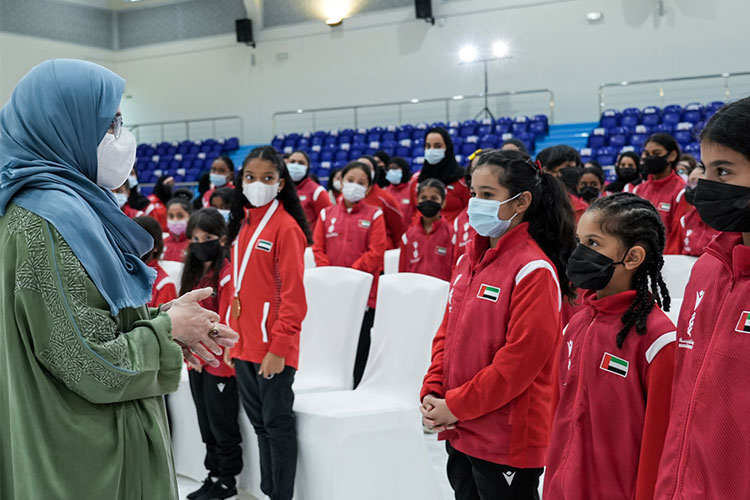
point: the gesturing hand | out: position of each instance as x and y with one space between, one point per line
436 415
196 329
271 365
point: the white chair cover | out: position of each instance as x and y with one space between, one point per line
391 258
676 273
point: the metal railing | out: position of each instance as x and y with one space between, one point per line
193 129
416 110
675 90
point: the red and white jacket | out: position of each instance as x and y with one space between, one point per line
394 220
220 303
579 206
164 289
463 233
613 412
207 195
690 236
158 211
494 358
272 294
457 196
313 197
430 254
352 237
707 450
175 247
662 194
400 193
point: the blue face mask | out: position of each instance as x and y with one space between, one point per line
297 171
218 180
483 217
225 214
434 156
394 176
121 199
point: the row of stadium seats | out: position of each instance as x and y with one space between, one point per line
184 160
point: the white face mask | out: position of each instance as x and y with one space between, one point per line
259 194
121 199
353 192
132 181
225 214
297 171
337 185
115 159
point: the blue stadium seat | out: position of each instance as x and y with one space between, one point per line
598 138
651 116
694 148
672 114
638 140
610 118
606 155
630 117
488 141
667 128
468 130
693 112
341 155
586 155
684 137
520 125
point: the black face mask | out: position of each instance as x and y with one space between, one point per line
429 208
627 174
206 251
690 195
589 193
590 270
654 164
724 207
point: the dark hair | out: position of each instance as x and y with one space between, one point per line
183 193
204 184
307 157
570 176
404 166
153 228
728 127
554 156
226 160
550 215
360 165
687 158
212 222
448 169
598 172
619 184
225 193
593 163
382 156
136 200
634 221
517 143
162 191
377 174
432 183
629 154
331 175
288 195
182 202
667 142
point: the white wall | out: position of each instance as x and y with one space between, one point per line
390 56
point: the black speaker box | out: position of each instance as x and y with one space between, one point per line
244 28
424 10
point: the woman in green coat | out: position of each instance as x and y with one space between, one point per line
84 364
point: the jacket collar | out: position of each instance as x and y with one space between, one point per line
480 253
614 304
730 250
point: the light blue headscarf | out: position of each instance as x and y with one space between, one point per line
49 131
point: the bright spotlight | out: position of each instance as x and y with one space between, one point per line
500 48
468 53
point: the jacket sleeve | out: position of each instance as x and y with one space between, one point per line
394 220
659 376
433 381
225 293
73 335
532 338
290 259
372 260
321 200
402 257
167 293
676 239
319 242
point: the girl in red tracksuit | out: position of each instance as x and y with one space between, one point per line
661 153
176 243
398 175
491 387
270 233
617 358
222 174
463 233
352 234
382 199
312 195
707 448
689 235
214 390
426 247
164 289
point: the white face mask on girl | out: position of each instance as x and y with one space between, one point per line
115 159
353 192
259 194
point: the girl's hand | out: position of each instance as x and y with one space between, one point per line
436 415
271 365
195 366
228 359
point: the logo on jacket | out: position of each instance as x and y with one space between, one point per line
488 292
664 207
689 343
221 386
613 364
441 250
509 475
570 352
364 223
743 325
264 245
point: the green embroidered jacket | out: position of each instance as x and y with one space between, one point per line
81 408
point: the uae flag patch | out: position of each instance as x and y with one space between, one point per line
664 207
613 364
743 326
441 250
264 245
488 292
364 223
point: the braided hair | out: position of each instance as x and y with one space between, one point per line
635 221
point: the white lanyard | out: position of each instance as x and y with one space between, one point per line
249 249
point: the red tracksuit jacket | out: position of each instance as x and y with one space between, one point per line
394 220
457 196
662 194
164 289
158 211
207 195
707 451
313 197
430 254
463 233
352 238
494 358
175 248
272 295
613 412
400 193
579 206
690 236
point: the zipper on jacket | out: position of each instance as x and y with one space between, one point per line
266 308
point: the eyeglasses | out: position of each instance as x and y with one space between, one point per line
116 126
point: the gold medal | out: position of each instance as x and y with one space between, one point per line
236 307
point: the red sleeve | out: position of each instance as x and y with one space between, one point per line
290 258
394 220
372 260
659 376
225 293
531 340
167 293
319 246
322 201
676 240
402 257
433 381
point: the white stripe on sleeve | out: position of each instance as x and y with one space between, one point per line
540 264
658 344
